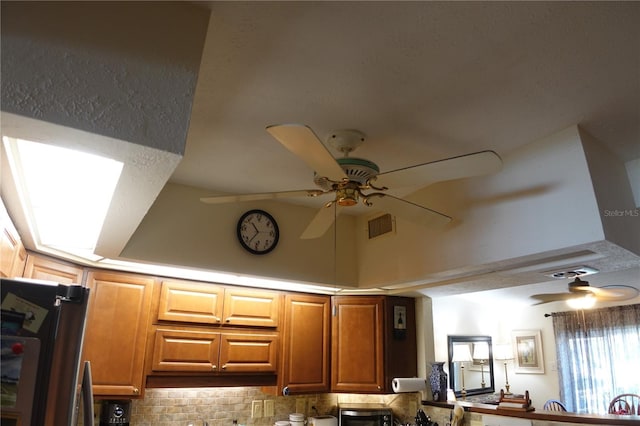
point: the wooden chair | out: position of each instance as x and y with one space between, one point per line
626 403
554 405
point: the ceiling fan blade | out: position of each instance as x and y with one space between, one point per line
476 164
613 292
300 140
220 199
321 222
408 210
553 297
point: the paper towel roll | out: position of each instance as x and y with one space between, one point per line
408 384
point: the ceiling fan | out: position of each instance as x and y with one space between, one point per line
579 288
347 178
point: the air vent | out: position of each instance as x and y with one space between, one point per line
578 271
380 225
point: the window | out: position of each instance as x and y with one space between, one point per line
597 354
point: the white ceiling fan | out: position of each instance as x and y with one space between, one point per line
348 179
579 288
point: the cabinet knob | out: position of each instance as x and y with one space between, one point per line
227 320
136 391
224 366
213 367
379 387
285 391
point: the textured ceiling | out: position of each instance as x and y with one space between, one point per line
423 81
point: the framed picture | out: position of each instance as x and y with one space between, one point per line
399 322
528 352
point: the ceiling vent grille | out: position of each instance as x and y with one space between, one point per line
380 225
575 272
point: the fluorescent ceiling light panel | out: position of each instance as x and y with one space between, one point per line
65 192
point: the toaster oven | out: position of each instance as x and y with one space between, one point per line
365 415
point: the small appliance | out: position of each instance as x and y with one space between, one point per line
323 421
115 413
365 414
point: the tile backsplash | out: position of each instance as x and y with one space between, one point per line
220 406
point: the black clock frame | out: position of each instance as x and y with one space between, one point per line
275 228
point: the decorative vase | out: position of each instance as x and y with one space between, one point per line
438 381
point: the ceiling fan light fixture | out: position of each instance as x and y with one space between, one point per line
347 196
583 302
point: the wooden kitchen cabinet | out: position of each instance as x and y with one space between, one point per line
46 268
371 344
189 350
251 307
12 253
179 349
306 334
184 301
116 331
203 303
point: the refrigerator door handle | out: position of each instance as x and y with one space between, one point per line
87 395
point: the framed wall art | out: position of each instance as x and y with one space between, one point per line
528 352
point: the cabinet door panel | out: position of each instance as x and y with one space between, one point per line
248 353
357 341
306 334
116 330
12 252
43 268
251 307
180 350
190 302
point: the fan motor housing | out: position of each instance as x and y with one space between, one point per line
357 170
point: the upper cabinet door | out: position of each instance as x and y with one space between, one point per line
190 302
44 268
357 340
116 331
306 336
251 307
12 252
248 352
185 350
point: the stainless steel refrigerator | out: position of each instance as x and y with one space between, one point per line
44 382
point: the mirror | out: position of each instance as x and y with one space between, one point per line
471 362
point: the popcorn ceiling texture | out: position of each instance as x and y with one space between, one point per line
220 406
135 84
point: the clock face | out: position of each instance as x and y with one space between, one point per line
258 232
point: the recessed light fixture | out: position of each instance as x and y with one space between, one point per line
64 193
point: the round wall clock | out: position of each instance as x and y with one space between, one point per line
258 232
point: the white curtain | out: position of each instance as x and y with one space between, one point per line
598 352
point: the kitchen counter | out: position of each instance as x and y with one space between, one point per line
546 416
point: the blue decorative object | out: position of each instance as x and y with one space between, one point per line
438 380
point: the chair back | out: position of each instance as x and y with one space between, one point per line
554 405
626 403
